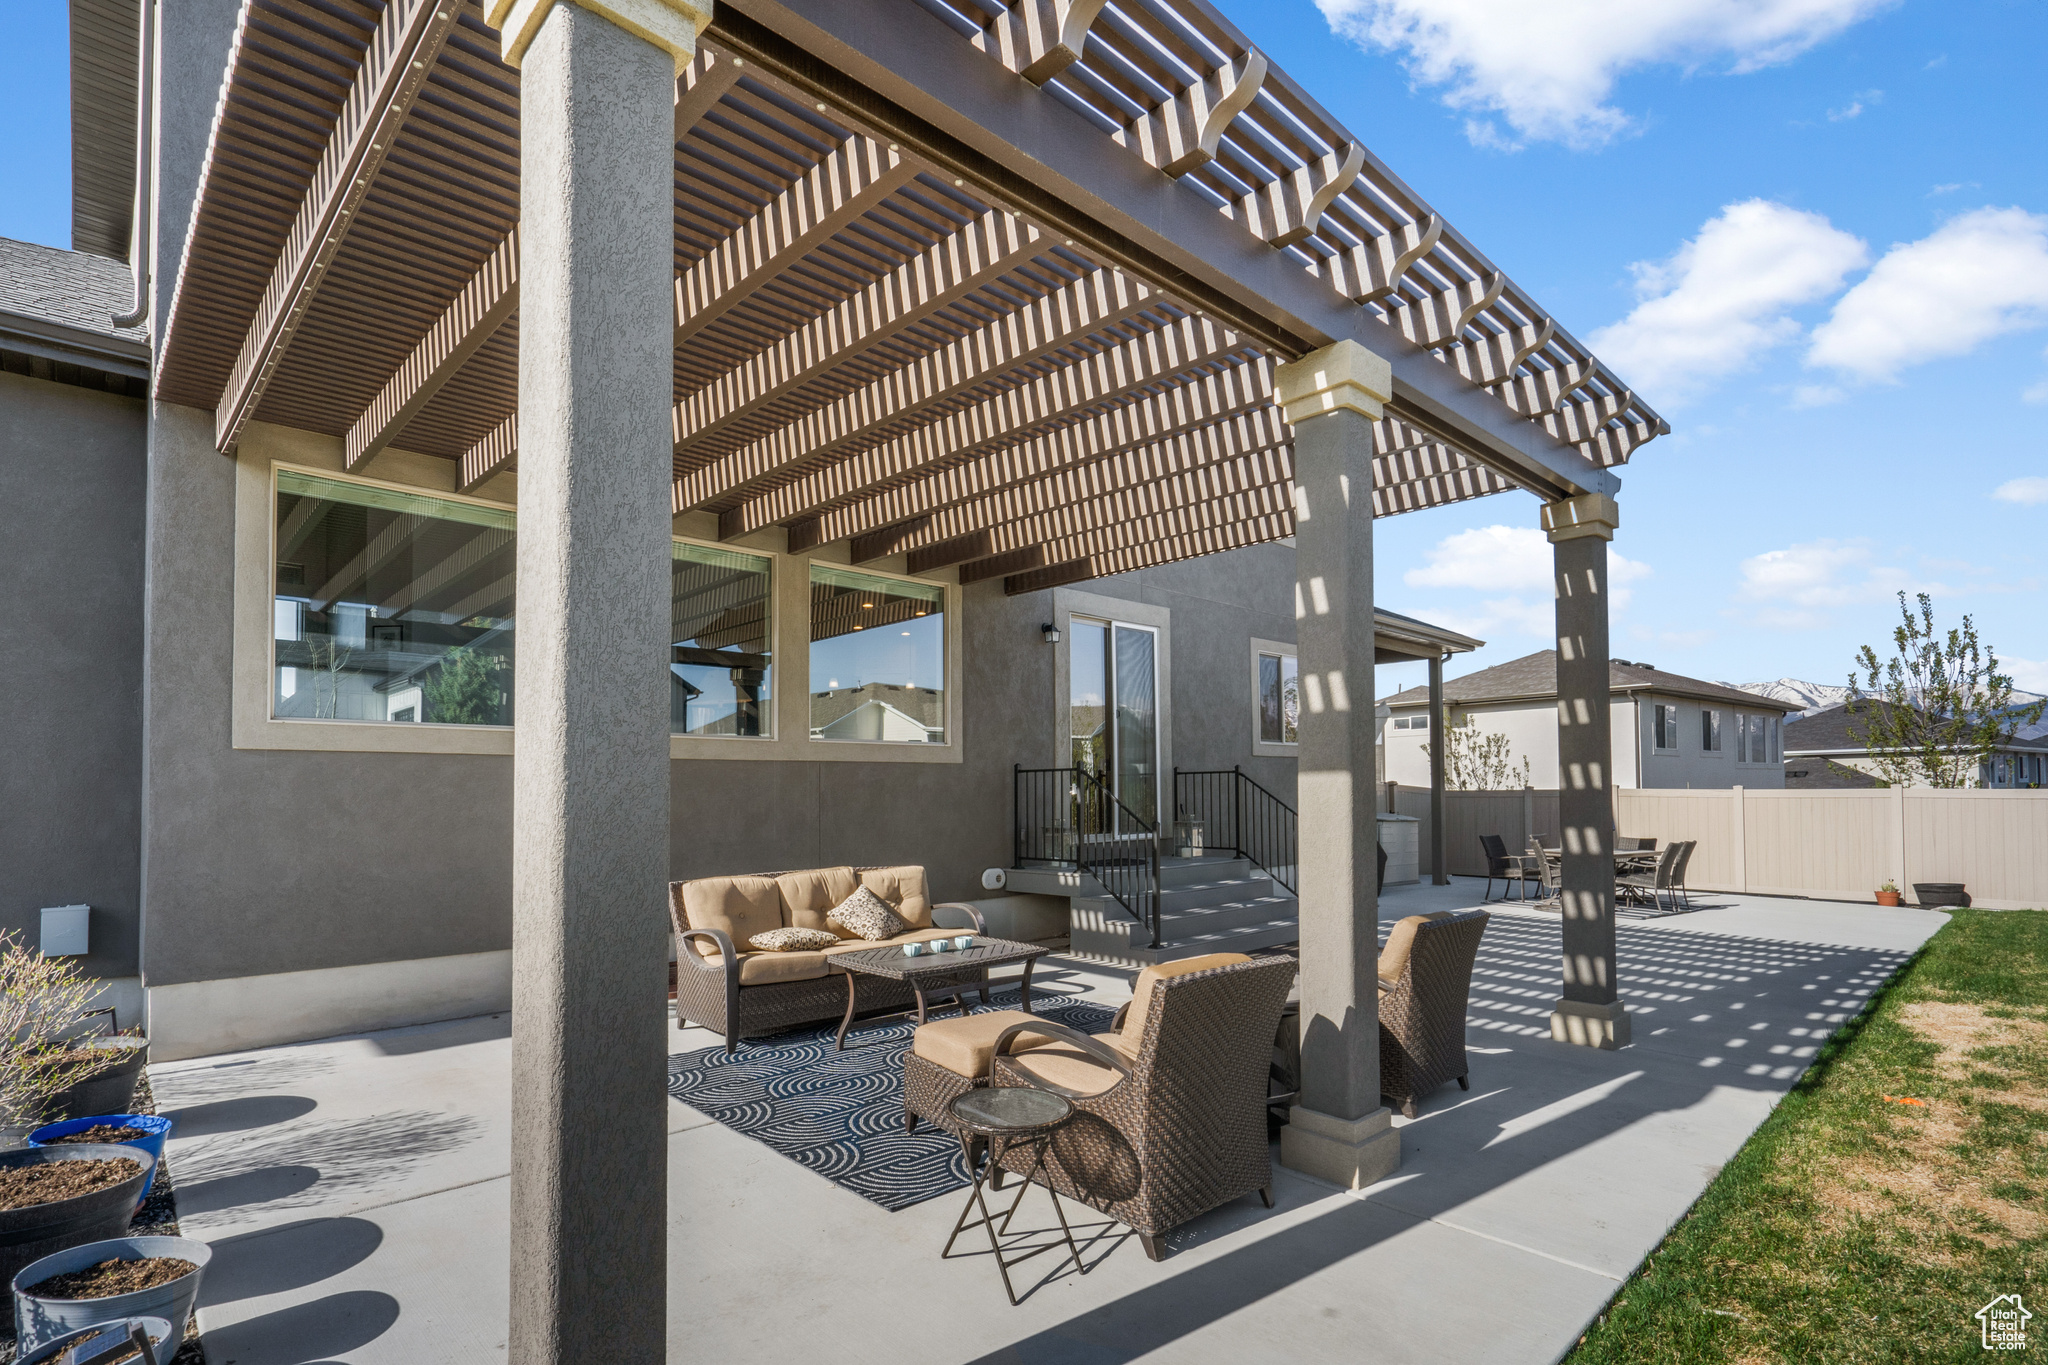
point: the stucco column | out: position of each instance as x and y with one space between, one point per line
1338 1130
590 834
1589 1012
1440 875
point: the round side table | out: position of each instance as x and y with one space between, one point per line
1001 1118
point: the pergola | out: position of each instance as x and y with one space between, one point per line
1043 291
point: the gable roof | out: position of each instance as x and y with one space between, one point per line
61 305
1840 730
1534 677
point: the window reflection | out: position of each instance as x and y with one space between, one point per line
878 658
721 644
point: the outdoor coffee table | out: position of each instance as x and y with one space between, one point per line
999 1118
937 976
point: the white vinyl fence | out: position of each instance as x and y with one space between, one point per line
1828 845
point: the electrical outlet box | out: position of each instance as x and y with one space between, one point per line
66 930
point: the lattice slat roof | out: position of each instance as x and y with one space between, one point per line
869 345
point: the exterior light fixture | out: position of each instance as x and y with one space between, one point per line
1051 633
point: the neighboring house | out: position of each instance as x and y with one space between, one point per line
1669 730
1830 748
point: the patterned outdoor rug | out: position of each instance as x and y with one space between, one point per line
841 1113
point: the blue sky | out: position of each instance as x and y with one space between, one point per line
1813 232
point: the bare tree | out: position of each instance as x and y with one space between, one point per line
1479 762
41 1000
1937 710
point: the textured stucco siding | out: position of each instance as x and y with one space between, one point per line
71 491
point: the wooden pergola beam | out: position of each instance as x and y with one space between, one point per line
1160 357
490 297
976 255
1096 302
850 181
1209 398
495 452
408 40
1255 527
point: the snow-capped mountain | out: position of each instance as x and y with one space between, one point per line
1812 697
1809 697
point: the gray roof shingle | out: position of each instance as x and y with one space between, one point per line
69 288
1535 676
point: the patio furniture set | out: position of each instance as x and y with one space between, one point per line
1643 873
1152 1123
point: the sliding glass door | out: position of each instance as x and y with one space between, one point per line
1113 709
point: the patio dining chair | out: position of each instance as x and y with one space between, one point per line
1678 873
1655 882
1509 867
1549 871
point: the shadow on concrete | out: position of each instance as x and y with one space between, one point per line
309 1333
192 1083
404 1042
283 1258
238 1115
270 1184
355 1158
1711 1012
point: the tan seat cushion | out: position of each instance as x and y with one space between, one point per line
1401 941
965 1046
1065 1065
760 969
808 896
741 906
903 888
1141 990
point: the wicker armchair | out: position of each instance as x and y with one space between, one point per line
1425 984
1170 1109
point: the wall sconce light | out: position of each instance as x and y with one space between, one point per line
1051 633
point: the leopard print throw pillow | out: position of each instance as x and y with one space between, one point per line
866 915
793 940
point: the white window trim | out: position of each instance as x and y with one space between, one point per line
1262 748
1657 708
266 447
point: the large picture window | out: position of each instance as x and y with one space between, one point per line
878 658
390 607
721 644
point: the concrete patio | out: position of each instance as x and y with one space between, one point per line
356 1193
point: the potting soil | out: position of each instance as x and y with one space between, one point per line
47 1182
101 1133
109 1278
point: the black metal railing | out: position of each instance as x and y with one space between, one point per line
1242 818
1068 817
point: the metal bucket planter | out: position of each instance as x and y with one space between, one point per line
110 1090
42 1229
159 1130
37 1319
104 1336
1937 895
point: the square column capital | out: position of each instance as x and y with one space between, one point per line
671 25
1589 514
1341 375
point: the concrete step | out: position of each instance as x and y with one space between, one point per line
1178 872
1219 892
1266 909
1100 929
1243 939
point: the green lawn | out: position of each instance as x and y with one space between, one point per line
1852 1227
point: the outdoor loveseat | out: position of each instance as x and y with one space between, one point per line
745 993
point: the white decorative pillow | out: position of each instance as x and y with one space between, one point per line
793 940
866 915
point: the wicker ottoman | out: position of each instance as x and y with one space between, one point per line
948 1058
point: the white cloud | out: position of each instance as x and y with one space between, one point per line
1549 69
1979 275
1516 560
2028 492
1796 588
2035 393
1720 301
1856 106
2029 675
1817 395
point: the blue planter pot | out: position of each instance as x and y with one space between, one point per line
159 1132
38 1320
107 1333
